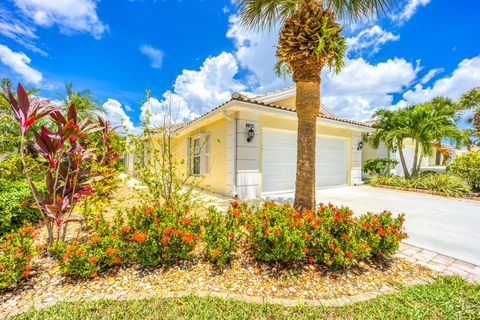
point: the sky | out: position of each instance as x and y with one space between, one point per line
193 54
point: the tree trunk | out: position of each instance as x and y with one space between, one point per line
307 106
415 159
402 159
419 165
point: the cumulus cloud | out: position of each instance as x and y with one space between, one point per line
362 87
211 85
171 109
71 16
118 117
409 10
371 38
155 55
19 62
255 51
463 78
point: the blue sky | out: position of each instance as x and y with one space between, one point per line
194 55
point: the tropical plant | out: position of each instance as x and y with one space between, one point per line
467 166
471 100
66 149
310 38
425 124
83 100
379 166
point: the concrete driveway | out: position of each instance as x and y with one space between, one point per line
447 226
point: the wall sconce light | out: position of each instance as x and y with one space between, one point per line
360 146
250 134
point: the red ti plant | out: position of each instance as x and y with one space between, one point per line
66 149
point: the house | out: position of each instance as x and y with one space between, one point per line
247 146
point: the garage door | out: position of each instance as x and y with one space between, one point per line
279 152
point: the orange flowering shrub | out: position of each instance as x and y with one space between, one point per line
221 233
276 233
102 251
16 254
160 235
382 232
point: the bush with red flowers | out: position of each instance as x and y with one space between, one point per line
104 250
221 233
276 233
161 235
332 237
382 232
16 254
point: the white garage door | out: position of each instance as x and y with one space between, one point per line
279 152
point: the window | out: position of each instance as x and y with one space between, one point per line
199 154
196 156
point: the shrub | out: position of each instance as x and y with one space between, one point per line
161 236
467 166
378 166
11 168
15 206
104 250
276 233
16 254
221 234
333 239
441 183
382 232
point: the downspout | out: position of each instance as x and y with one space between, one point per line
234 160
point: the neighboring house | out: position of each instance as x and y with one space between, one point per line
247 146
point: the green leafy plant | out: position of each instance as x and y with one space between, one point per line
221 234
382 232
444 184
380 166
16 205
467 166
16 254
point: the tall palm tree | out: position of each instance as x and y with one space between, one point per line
471 100
83 101
310 39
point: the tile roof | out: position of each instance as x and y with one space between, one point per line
239 97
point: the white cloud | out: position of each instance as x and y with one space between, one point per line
71 16
431 74
171 109
155 55
118 117
362 87
372 39
409 10
211 85
19 31
19 63
255 51
463 78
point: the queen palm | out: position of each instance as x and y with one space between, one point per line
471 100
83 101
310 39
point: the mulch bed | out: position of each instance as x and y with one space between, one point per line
468 196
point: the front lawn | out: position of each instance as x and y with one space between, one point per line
449 297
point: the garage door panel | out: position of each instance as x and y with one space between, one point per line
279 154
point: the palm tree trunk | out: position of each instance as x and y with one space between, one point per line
415 159
307 106
419 165
402 158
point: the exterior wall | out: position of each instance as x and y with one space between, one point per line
215 180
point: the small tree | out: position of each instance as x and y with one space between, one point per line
169 180
67 151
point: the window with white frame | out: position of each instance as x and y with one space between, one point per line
199 149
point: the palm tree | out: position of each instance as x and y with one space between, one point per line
471 100
83 101
310 39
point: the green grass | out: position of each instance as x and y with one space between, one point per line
447 298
